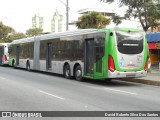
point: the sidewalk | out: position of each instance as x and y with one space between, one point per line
152 78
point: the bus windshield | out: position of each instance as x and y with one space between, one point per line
129 43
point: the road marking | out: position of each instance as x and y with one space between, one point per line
2 78
51 95
132 93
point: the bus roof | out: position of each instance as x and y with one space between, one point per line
4 44
23 40
55 35
67 33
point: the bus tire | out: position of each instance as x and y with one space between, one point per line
28 66
78 73
67 71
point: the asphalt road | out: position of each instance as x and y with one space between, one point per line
21 90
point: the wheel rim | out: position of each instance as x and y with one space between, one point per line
67 72
28 67
78 73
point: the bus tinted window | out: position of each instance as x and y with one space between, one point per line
26 50
78 50
12 52
129 43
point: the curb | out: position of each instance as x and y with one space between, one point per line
143 81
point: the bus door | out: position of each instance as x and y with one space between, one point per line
49 56
17 54
1 56
89 57
99 54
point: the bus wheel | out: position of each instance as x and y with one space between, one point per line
67 72
28 66
78 73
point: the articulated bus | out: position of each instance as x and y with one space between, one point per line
4 55
86 53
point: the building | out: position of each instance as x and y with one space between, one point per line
157 29
37 21
106 12
153 40
50 24
57 22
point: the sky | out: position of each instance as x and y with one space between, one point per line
18 13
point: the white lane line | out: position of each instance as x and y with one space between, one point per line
2 78
51 95
116 90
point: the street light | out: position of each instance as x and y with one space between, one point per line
67 12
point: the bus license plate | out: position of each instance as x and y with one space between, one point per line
130 74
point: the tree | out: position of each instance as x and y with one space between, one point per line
93 20
146 11
4 32
34 31
15 35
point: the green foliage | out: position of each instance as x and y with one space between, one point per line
15 36
116 19
34 31
4 32
93 20
147 11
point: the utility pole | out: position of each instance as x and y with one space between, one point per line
67 12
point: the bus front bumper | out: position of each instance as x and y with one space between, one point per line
118 74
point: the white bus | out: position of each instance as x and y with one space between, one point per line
4 55
91 53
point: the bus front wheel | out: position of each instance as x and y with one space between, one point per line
67 71
78 73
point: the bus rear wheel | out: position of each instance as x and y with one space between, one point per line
78 73
67 71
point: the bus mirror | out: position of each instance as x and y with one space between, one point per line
111 33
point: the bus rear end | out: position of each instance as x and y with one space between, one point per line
129 57
4 53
